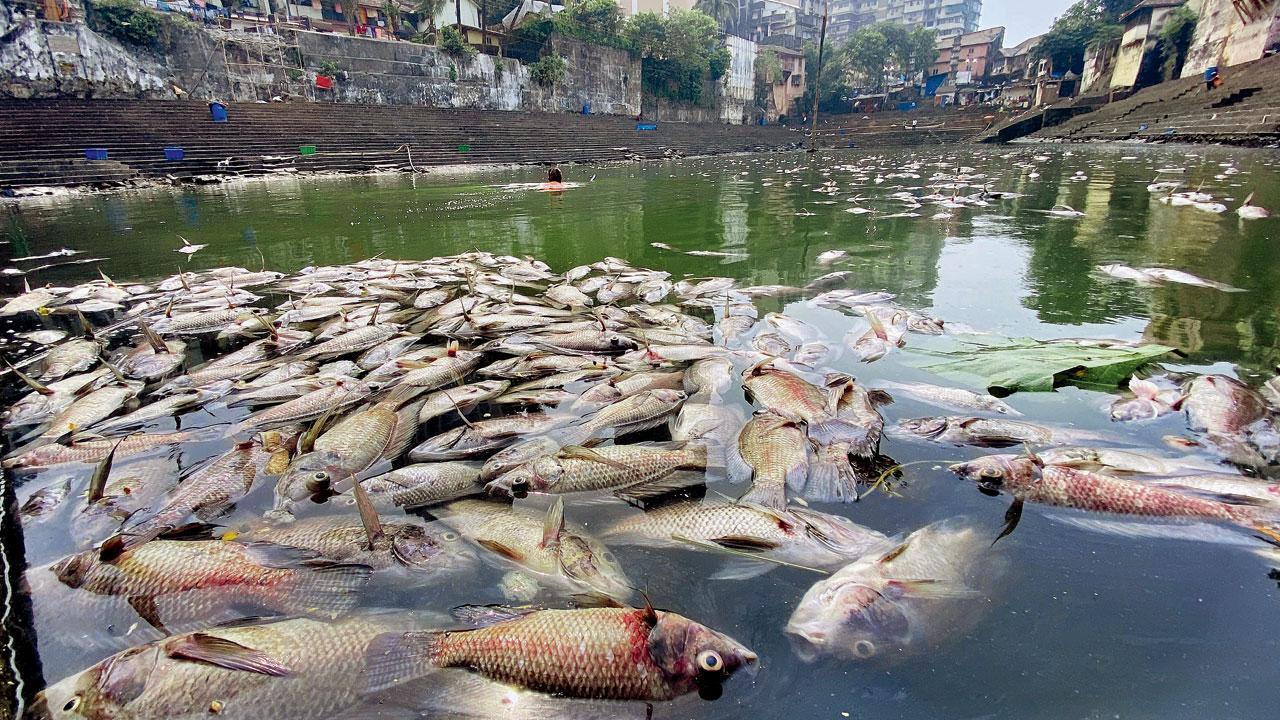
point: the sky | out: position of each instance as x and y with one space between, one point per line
1021 18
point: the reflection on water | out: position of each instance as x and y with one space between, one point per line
1086 625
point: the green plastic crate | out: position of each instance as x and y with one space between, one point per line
464 148
307 150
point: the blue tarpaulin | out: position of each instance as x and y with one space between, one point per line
932 83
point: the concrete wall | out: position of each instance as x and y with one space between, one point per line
43 59
1227 35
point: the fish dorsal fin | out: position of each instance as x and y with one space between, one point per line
182 280
85 326
1248 201
152 338
553 525
168 310
26 286
373 319
650 616
98 481
368 515
107 280
269 323
30 381
223 653
114 370
594 599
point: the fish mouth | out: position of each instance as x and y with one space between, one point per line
39 708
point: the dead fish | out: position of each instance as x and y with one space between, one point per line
483 437
792 535
287 670
43 503
954 398
405 542
772 453
990 432
541 545
904 601
179 582
669 656
575 469
424 484
1221 405
206 494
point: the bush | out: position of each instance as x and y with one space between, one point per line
593 21
329 68
127 21
548 71
499 69
452 43
453 73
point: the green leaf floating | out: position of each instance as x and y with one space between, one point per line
1032 365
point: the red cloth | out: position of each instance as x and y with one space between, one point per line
324 82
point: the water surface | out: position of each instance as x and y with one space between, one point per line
1084 625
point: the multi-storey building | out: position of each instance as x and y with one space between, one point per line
946 17
769 18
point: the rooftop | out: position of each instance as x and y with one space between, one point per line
980 37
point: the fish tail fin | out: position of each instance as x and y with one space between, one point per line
832 478
770 496
396 658
326 589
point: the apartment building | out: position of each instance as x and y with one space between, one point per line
946 17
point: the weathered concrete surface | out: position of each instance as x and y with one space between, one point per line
1229 33
45 59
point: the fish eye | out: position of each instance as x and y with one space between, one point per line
864 649
989 472
450 536
71 704
710 661
321 476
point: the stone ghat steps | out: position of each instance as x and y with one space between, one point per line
1244 109
39 138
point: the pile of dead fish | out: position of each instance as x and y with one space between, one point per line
402 424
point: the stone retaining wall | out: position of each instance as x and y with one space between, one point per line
41 59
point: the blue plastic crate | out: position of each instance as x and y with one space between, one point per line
173 154
646 126
95 153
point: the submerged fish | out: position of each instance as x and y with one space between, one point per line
174 583
541 545
904 601
289 670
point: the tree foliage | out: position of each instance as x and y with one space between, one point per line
678 52
548 71
593 21
724 12
1086 23
768 70
428 10
127 21
1175 40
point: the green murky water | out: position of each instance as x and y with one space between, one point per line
1085 625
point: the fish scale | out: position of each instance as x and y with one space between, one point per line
606 468
777 452
1084 490
602 654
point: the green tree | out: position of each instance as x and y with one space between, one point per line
1086 23
1175 40
591 20
867 55
724 12
678 53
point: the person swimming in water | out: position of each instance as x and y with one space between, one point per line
554 175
